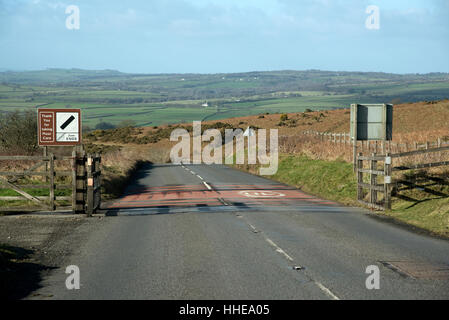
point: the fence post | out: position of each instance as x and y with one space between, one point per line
354 155
52 182
387 181
373 180
74 172
90 185
46 163
98 180
79 180
359 177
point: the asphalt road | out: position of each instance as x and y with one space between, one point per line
211 232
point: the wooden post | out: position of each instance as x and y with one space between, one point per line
52 182
74 177
90 185
373 182
387 182
46 163
83 181
80 180
97 185
354 155
359 177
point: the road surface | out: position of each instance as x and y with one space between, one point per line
212 232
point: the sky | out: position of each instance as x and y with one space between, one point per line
224 36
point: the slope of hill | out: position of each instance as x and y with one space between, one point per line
411 121
154 99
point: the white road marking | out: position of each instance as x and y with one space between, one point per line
279 249
261 194
326 291
207 185
254 228
200 177
223 202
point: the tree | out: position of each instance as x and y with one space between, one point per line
18 132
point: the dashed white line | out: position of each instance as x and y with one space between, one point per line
278 249
254 228
320 285
200 177
326 291
207 185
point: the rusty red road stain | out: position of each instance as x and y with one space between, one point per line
199 195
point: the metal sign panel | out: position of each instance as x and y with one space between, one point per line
59 127
372 121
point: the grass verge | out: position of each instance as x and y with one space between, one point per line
335 180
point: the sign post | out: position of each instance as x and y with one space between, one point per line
59 127
62 127
371 122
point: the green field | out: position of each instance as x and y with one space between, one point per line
150 100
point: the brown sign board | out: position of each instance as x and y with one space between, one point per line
59 127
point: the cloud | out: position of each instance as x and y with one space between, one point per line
208 34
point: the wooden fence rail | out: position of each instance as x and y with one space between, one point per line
85 198
376 146
373 186
386 187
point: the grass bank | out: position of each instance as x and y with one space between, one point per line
426 208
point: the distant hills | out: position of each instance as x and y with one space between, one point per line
153 99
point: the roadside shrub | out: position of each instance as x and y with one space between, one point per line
104 126
18 132
126 123
284 117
